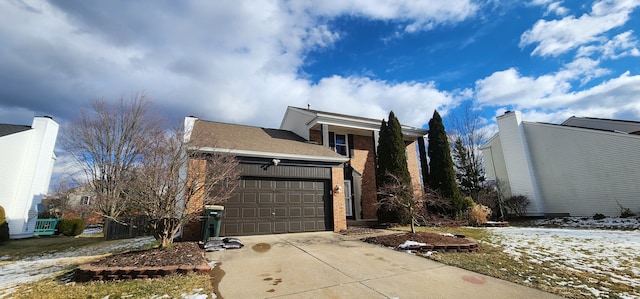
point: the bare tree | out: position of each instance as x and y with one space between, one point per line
58 201
171 199
106 142
468 135
392 195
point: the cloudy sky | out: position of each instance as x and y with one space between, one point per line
246 61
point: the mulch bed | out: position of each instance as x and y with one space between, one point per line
434 242
182 257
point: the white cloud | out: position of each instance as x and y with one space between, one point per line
621 45
617 97
412 102
232 61
556 37
508 87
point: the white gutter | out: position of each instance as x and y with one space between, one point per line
256 154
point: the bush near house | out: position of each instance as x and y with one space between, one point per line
478 214
517 205
4 226
71 226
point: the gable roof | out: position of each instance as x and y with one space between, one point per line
315 117
7 129
249 141
614 125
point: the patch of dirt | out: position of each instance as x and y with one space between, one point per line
180 254
394 240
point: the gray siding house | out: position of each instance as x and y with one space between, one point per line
578 168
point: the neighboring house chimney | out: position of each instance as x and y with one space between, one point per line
517 159
32 165
189 122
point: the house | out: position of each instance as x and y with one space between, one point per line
357 139
312 174
26 164
578 168
77 202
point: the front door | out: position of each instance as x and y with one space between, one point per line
348 199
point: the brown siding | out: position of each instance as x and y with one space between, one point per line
414 168
364 161
339 214
315 136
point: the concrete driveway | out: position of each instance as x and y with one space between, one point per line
329 265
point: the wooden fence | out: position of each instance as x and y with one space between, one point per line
129 228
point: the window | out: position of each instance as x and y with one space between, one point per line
341 144
85 200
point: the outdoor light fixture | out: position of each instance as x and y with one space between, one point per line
275 162
337 188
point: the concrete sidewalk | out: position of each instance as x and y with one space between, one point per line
328 265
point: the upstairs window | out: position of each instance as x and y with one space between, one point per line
85 200
341 144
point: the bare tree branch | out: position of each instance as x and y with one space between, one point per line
106 142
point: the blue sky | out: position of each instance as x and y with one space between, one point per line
246 61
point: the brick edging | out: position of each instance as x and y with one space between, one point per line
87 272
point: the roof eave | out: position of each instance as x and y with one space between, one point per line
256 154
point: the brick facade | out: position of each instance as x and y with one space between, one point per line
315 136
339 213
414 167
364 162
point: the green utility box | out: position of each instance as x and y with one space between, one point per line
212 221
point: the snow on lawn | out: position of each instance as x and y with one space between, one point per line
38 267
611 256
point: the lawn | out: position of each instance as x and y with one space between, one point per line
41 267
568 262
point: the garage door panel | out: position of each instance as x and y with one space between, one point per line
295 212
277 206
280 227
249 213
309 212
249 197
265 198
308 185
265 228
295 198
233 213
264 213
248 228
308 198
279 212
280 198
295 185
295 226
231 228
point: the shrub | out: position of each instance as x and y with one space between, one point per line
517 205
4 226
478 214
71 226
598 216
626 213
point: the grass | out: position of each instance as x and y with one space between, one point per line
174 286
21 248
546 276
58 287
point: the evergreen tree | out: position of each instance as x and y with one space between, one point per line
392 159
442 176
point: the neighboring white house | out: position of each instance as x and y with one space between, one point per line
578 168
26 163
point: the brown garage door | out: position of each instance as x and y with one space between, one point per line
268 206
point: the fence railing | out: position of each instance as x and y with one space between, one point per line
46 226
